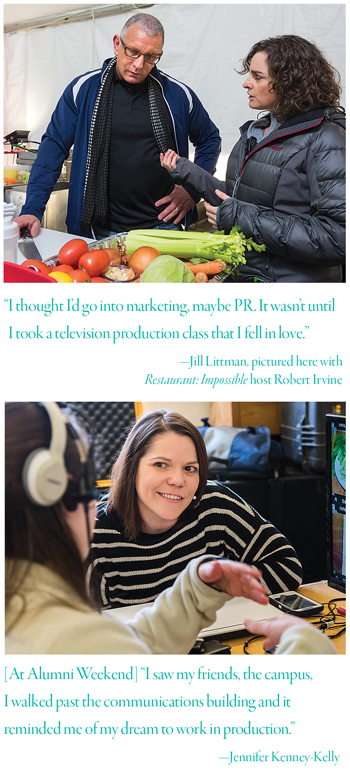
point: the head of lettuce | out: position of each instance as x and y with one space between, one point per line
166 268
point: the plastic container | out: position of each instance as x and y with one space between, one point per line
120 274
9 209
10 174
14 273
10 240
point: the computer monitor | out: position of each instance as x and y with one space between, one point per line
336 500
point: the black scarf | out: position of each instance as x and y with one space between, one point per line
95 203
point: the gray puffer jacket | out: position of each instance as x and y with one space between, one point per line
288 192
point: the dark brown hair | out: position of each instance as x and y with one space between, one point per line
302 79
123 496
34 533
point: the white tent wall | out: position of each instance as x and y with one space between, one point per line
203 46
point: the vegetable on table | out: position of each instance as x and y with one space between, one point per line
141 258
94 262
212 267
115 255
71 252
201 277
63 269
79 275
166 268
197 247
61 277
36 265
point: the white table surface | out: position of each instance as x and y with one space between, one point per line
49 243
229 618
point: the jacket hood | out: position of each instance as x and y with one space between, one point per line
330 114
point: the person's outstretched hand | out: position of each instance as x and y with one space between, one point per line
273 628
234 578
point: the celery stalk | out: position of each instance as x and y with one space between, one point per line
196 247
182 244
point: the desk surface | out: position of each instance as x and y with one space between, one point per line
316 591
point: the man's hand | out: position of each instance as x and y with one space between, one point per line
32 222
168 160
211 211
273 628
234 578
179 202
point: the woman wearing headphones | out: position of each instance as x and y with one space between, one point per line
48 519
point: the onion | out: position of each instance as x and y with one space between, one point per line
114 255
141 258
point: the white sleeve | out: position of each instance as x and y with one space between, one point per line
179 613
303 640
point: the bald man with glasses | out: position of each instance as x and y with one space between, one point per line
119 119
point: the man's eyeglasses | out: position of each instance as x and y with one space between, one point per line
132 54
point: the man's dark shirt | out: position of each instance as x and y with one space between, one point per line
136 179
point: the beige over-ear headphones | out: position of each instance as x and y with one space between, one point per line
44 474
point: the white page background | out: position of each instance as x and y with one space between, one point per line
99 370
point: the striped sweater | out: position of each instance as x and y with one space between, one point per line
122 572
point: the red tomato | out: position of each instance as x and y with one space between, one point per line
37 266
79 275
70 253
64 268
96 279
94 262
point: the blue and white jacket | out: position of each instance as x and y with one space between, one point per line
70 124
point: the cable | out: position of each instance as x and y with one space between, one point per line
323 623
329 620
86 507
246 643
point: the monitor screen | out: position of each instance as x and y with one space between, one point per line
336 500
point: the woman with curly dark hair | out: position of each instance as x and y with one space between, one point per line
300 77
285 179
